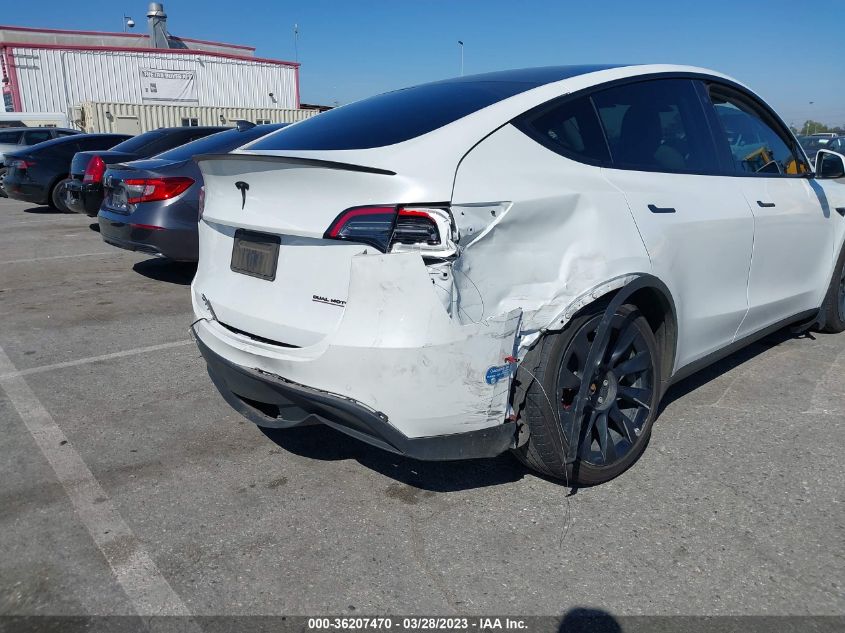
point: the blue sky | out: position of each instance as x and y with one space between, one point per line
789 51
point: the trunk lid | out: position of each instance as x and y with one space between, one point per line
293 200
81 159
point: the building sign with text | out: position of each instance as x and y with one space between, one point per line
168 86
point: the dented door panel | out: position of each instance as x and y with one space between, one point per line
555 229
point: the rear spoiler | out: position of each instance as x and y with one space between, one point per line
313 162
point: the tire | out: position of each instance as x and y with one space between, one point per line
3 193
548 399
56 199
832 313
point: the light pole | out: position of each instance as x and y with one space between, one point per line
296 42
811 118
461 44
128 22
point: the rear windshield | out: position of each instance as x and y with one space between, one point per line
138 143
397 116
221 142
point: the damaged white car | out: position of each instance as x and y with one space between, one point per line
522 260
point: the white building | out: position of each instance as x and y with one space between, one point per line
147 76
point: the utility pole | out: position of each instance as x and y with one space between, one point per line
461 44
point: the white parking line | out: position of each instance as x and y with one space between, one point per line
41 259
135 571
94 359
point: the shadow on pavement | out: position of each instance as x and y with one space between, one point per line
94 227
581 620
180 273
45 210
324 443
725 365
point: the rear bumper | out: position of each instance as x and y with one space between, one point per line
118 230
25 192
271 401
395 350
83 197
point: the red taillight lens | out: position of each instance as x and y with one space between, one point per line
22 164
152 189
201 203
370 225
95 170
415 228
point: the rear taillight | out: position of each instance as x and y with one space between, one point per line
21 163
153 189
95 170
394 228
201 203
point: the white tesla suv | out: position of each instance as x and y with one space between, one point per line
522 260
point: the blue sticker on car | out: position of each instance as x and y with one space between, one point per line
495 374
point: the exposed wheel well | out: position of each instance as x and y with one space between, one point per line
656 305
658 309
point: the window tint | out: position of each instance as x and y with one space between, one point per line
756 147
657 125
139 143
36 136
157 141
218 143
570 128
10 138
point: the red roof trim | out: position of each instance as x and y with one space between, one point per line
164 51
29 29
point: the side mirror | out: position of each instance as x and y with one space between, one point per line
830 165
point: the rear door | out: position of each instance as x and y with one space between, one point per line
694 222
793 236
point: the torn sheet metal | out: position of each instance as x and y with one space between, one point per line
397 350
555 235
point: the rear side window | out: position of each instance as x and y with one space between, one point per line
9 138
757 144
570 128
657 125
36 136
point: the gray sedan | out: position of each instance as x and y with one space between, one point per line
152 205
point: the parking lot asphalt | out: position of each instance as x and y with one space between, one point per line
163 498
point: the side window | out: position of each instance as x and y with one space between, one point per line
36 136
570 128
62 134
757 145
9 138
657 125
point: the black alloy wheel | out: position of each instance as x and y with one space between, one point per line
584 427
618 397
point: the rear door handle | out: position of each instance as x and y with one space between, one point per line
656 209
765 205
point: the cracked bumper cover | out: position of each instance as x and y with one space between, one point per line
397 372
249 391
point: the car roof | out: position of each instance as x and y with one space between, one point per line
70 139
25 128
536 76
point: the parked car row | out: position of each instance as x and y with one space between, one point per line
146 189
813 143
